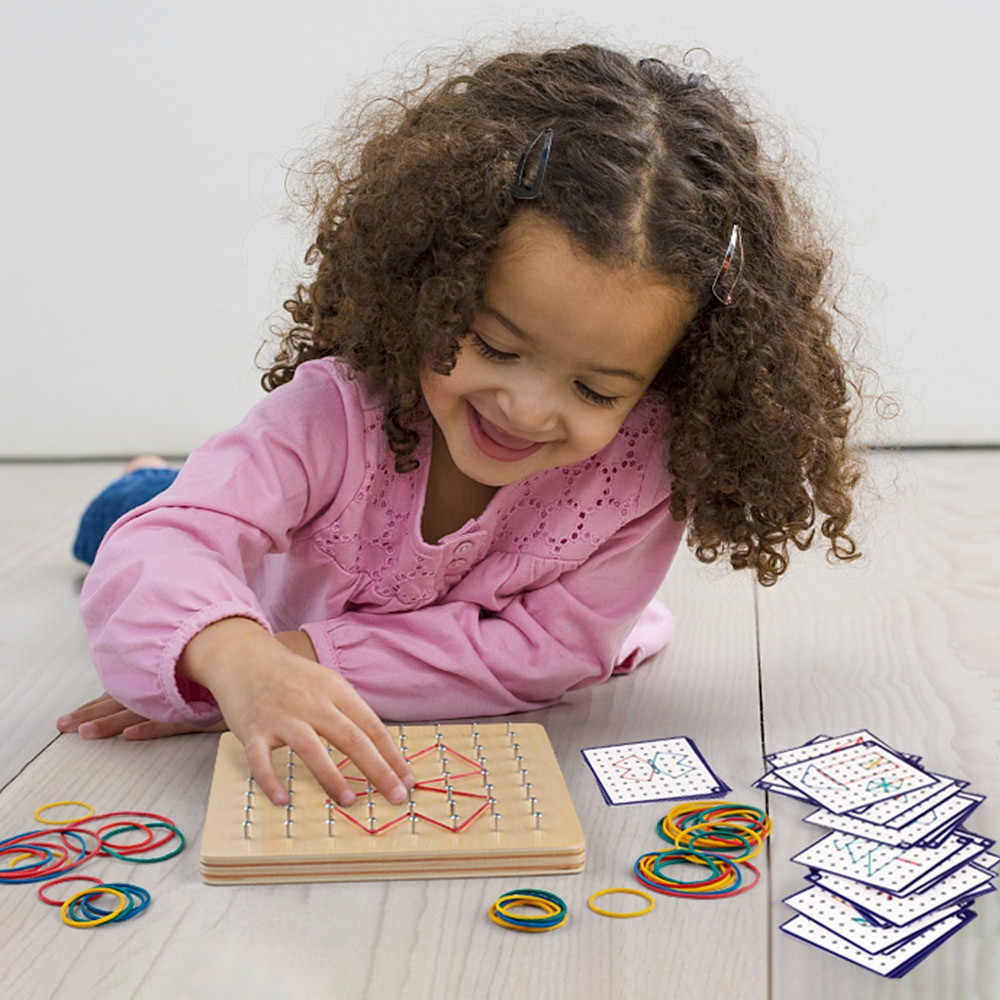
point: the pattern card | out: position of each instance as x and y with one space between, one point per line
958 887
653 771
845 921
893 869
822 745
854 777
892 964
772 783
899 874
903 809
926 830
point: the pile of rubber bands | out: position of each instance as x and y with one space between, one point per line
46 856
721 836
507 911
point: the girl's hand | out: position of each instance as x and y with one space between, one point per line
273 693
104 717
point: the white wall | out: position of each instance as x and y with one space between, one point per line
141 178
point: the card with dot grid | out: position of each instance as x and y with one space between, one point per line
653 771
854 776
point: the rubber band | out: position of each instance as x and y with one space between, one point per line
611 913
138 901
726 879
64 878
554 911
710 843
44 854
64 802
123 815
53 858
724 873
723 821
59 865
142 845
721 836
126 856
57 858
85 910
67 907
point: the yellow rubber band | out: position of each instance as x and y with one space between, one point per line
709 843
631 892
67 919
20 857
497 919
64 822
506 902
552 908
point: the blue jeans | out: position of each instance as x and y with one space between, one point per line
123 495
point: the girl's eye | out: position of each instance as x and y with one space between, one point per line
595 397
495 354
489 351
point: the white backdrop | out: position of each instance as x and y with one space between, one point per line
143 257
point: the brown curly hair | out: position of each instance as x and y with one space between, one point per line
650 167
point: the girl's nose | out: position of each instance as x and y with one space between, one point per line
530 408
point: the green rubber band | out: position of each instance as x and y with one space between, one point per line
149 861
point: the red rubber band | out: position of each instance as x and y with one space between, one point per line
65 878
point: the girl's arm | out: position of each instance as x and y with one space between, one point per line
176 628
104 716
271 696
272 693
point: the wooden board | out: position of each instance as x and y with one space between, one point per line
489 800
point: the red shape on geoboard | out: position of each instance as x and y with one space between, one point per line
428 785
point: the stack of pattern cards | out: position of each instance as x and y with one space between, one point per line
898 872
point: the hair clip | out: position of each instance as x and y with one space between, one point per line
533 164
725 282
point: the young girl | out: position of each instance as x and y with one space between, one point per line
564 308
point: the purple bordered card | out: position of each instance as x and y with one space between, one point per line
653 771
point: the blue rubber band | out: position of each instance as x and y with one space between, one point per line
134 892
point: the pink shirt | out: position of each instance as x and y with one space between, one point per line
297 519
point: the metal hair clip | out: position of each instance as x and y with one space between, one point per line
531 169
728 275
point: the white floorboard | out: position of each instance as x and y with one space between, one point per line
904 644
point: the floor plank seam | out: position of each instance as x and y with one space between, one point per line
31 760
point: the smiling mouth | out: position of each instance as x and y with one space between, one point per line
496 443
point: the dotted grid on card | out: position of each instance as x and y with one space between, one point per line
489 800
653 770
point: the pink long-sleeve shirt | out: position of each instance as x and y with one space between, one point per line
297 519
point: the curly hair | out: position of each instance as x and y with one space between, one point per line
650 167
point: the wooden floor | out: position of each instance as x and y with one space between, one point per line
905 643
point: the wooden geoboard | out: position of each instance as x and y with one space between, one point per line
489 800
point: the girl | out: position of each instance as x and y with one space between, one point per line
563 307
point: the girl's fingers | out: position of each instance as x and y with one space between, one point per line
314 755
99 703
262 768
311 748
323 765
372 746
96 708
109 725
149 730
353 742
